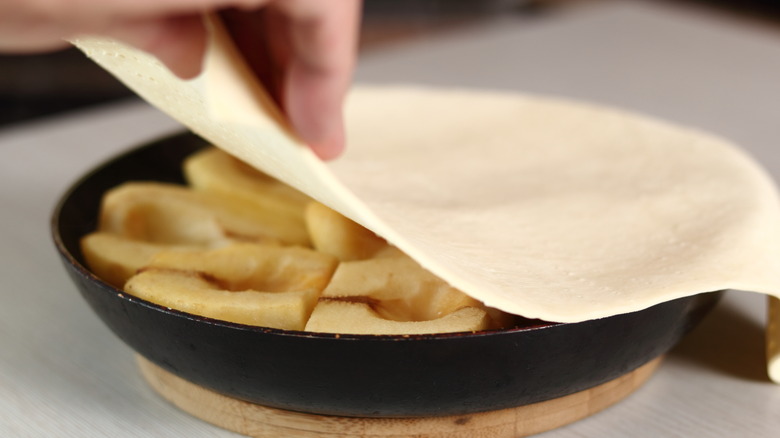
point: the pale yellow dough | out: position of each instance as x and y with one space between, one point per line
546 208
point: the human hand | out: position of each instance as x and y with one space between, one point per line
303 51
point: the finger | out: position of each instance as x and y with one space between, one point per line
41 25
314 106
323 40
84 11
178 42
260 37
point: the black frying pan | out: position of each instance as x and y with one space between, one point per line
358 375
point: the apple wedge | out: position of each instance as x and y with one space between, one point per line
115 259
173 214
214 170
401 288
196 293
355 317
335 234
259 285
241 266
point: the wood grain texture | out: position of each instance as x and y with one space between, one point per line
773 339
263 422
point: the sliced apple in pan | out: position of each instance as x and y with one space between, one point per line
393 295
173 214
269 268
214 170
335 234
114 258
260 285
402 289
199 294
355 317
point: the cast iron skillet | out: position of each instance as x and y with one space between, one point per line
357 375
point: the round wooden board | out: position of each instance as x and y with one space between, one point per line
263 422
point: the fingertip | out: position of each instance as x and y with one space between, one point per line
185 65
321 127
329 149
324 133
314 106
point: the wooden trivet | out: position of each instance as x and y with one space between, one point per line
263 422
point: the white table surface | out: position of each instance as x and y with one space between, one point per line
63 374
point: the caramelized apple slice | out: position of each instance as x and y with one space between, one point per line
114 258
172 214
268 268
335 234
402 289
199 294
214 170
261 285
355 317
